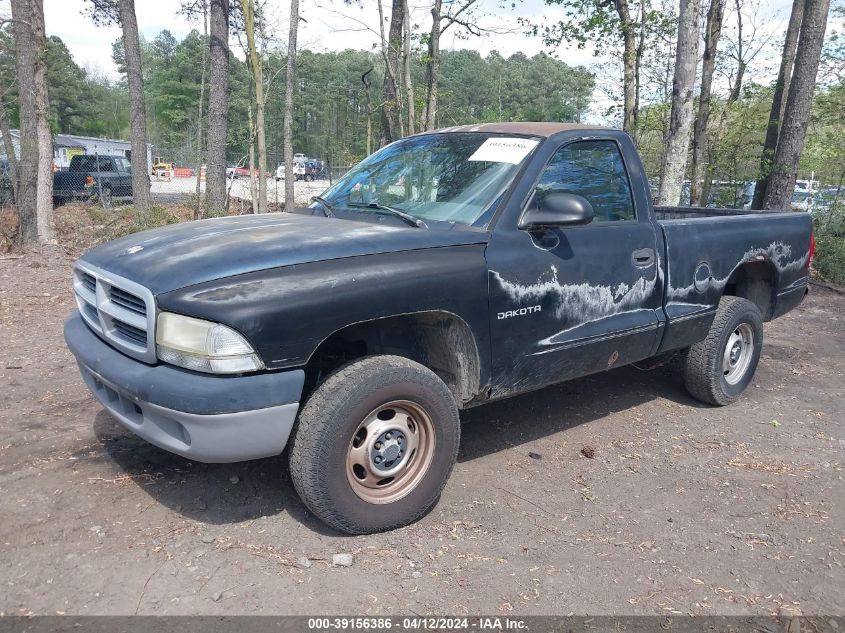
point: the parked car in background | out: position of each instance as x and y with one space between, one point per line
280 172
315 169
802 200
90 177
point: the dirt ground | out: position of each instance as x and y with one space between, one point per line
682 509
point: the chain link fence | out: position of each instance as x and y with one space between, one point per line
177 190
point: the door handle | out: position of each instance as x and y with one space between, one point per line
643 257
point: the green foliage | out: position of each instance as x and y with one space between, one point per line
80 102
519 88
738 130
66 86
829 262
331 103
330 118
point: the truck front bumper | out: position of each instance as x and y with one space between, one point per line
203 417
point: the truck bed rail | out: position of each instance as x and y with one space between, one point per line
682 213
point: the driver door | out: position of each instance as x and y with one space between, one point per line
574 300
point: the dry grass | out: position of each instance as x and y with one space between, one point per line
81 226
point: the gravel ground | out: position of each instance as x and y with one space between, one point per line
682 508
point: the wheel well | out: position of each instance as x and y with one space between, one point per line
754 281
441 341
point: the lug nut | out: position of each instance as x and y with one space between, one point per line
399 439
387 435
378 459
378 445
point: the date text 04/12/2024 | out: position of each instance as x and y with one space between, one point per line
416 623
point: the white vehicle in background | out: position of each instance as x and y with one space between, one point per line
298 171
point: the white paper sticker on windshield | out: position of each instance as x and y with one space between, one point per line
504 150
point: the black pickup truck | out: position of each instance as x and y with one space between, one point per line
446 270
95 178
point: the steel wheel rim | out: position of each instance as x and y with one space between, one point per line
390 452
739 350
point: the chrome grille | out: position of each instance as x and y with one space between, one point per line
120 311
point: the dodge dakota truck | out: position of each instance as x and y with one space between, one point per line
446 270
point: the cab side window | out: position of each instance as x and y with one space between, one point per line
594 170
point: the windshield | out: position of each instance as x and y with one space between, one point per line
452 177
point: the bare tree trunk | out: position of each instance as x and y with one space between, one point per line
289 87
365 79
796 114
9 147
253 193
790 45
258 80
390 111
406 65
44 186
733 97
198 209
26 52
680 122
701 130
629 63
218 107
639 62
137 111
432 68
200 108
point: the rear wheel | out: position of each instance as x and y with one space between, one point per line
375 444
719 368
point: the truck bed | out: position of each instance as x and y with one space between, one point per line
705 247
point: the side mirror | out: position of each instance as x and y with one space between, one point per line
556 210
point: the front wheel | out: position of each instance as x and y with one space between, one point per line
719 368
375 444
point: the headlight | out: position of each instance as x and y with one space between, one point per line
203 346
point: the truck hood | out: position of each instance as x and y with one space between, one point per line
181 255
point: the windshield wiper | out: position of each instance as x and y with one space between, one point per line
327 208
406 217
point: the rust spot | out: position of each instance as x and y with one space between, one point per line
613 358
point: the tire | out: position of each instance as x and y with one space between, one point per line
363 405
719 368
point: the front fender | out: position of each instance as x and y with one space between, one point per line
286 312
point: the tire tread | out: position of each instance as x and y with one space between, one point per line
344 388
700 378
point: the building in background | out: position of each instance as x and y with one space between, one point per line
66 146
